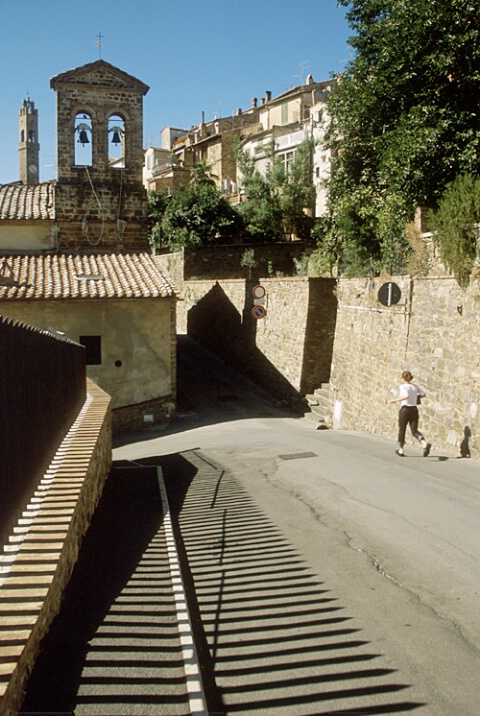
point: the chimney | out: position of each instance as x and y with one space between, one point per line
254 101
268 95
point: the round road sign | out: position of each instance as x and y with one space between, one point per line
258 292
389 294
259 312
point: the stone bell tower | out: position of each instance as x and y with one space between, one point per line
28 146
100 200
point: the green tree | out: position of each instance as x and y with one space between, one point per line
275 203
297 193
260 210
157 202
404 121
456 224
199 214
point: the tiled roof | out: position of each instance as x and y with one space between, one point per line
81 276
20 201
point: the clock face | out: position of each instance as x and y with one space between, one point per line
32 169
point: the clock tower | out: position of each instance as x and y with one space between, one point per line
28 146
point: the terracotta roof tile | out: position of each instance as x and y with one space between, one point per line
81 276
19 201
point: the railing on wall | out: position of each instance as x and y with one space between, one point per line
42 389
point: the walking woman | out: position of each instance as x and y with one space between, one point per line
409 395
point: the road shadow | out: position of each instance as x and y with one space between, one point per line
114 646
276 638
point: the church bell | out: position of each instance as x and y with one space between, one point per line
116 137
82 134
83 137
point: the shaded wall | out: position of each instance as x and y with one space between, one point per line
89 444
289 351
137 344
42 388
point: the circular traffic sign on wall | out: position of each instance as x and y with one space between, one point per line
258 292
259 312
389 294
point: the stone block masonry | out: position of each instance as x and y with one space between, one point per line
434 331
289 351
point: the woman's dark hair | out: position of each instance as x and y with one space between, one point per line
406 375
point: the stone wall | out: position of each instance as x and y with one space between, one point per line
289 351
224 262
88 446
434 331
87 216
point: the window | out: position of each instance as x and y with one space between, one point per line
83 143
285 113
93 349
287 159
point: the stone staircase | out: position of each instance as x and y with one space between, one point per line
320 403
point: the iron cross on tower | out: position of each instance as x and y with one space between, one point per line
99 45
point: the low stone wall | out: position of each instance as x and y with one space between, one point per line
135 418
434 331
225 262
50 536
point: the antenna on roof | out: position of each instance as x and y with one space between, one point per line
99 44
303 66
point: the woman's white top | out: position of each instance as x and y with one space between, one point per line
410 393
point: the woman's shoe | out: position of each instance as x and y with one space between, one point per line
400 454
426 450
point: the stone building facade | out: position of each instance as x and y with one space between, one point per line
100 200
74 253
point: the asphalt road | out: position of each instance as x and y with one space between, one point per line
394 542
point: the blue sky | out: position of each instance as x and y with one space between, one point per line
211 56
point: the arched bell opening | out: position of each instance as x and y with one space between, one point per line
116 141
83 140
